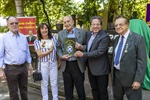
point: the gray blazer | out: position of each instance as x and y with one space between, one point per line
97 57
81 38
133 60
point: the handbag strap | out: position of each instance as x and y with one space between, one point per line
39 69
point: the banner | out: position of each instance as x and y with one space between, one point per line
26 24
148 14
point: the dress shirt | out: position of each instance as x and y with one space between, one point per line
124 41
72 35
91 40
14 49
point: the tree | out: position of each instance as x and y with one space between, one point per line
19 7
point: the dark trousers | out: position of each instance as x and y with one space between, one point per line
73 77
99 86
17 78
119 90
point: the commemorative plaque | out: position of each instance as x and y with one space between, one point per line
69 46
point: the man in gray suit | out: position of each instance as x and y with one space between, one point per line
73 68
129 62
97 59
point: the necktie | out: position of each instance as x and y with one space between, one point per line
119 51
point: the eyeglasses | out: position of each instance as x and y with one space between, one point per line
14 23
121 24
95 24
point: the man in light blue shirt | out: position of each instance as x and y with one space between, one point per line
14 53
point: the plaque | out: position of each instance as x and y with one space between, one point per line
69 46
46 43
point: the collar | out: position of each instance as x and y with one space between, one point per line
126 35
12 34
73 31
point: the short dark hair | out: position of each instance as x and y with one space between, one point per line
96 17
121 16
39 35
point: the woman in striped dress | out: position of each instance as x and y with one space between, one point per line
45 47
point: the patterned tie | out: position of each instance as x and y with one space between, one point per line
119 51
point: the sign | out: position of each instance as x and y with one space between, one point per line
26 24
148 14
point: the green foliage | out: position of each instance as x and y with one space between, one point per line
3 29
89 8
57 9
7 8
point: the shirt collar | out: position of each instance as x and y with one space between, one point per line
126 35
93 34
12 34
73 31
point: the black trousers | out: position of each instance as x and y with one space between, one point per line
99 86
119 90
17 78
73 77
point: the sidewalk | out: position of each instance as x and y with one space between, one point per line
61 87
88 91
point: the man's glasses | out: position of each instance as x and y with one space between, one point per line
121 24
95 24
14 23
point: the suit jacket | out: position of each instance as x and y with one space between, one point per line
97 57
32 39
133 60
81 38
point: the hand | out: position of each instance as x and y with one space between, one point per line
2 74
51 48
78 54
78 46
30 69
65 57
136 85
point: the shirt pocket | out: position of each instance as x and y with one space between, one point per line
23 47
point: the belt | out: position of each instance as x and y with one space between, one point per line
17 65
71 60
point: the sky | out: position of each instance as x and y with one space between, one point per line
2 21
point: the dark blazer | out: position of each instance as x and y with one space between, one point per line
97 57
81 38
133 60
32 39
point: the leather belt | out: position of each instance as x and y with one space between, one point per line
71 60
17 65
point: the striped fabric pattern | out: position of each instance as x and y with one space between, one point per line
50 57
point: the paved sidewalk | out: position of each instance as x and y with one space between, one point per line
146 93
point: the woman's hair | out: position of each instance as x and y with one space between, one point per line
39 35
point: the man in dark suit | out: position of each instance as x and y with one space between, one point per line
31 37
129 62
97 59
73 68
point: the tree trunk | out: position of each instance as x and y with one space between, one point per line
19 7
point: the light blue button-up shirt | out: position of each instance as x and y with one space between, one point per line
14 49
